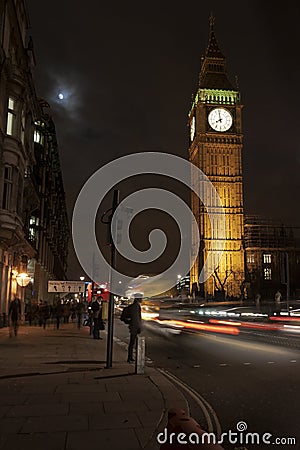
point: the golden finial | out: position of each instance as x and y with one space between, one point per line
237 82
211 21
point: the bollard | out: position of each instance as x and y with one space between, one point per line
140 355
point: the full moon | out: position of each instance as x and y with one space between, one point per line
61 96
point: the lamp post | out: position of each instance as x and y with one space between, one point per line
83 293
110 328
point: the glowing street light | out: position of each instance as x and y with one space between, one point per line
23 279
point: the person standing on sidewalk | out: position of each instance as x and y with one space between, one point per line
45 313
97 317
59 308
135 324
278 297
257 300
79 311
14 314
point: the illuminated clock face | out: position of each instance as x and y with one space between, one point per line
193 128
220 119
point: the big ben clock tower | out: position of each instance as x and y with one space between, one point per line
216 141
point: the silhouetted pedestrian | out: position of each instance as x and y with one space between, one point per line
29 312
278 297
14 313
44 313
58 312
97 317
79 310
257 300
134 314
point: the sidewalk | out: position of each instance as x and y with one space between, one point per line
56 394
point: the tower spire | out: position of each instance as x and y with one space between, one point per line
213 49
211 22
213 69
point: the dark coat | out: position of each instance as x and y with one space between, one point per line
135 316
15 309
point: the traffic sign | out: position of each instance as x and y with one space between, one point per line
66 286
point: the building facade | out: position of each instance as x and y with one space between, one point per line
272 258
216 142
33 237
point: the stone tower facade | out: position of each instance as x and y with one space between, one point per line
216 142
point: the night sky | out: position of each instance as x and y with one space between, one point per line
128 70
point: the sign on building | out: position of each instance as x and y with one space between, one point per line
66 286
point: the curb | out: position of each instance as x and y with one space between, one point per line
172 398
171 395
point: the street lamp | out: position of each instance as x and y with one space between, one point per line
83 295
23 279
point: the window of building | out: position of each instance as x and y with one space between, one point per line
23 126
38 137
250 258
7 187
20 193
11 117
267 258
267 273
27 172
33 224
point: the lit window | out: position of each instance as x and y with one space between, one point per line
27 172
23 126
33 225
11 117
267 273
267 258
38 137
251 258
7 187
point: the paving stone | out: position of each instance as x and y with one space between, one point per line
74 397
154 404
87 408
35 399
36 441
86 388
136 387
4 410
38 410
13 399
112 421
136 405
150 418
11 425
104 439
38 389
48 424
144 395
145 435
